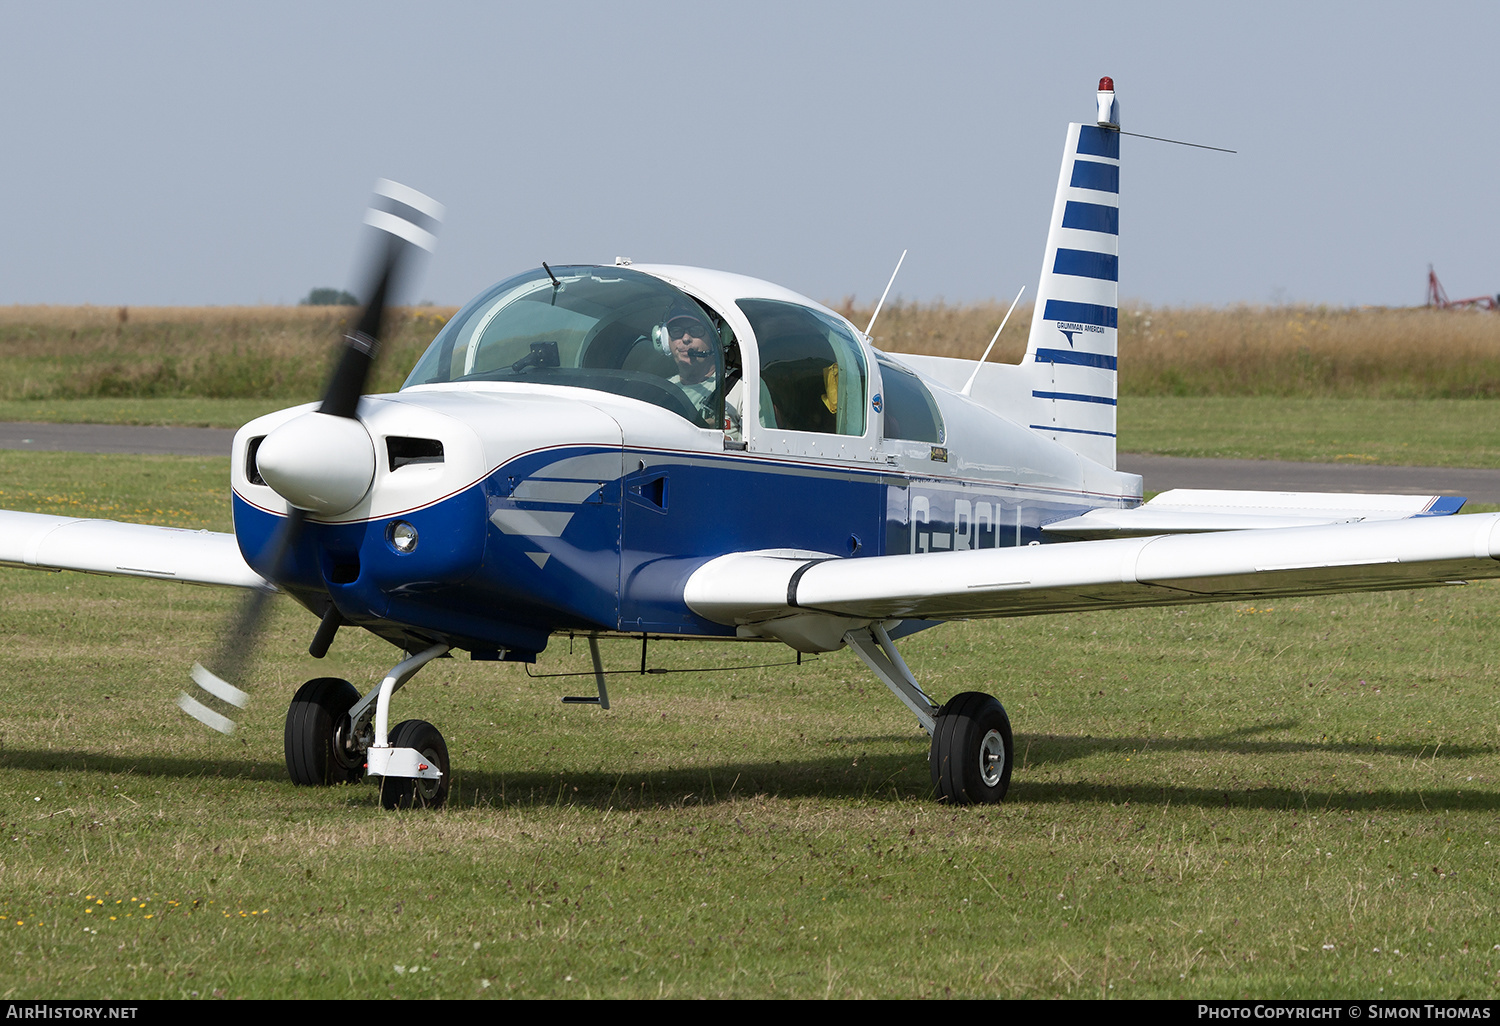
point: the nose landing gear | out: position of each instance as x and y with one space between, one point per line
333 736
420 792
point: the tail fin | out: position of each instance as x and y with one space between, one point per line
1071 352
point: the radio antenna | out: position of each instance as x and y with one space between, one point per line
986 356
1178 142
884 294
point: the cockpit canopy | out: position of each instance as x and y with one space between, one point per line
618 330
605 328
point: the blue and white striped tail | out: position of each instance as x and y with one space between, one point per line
1071 354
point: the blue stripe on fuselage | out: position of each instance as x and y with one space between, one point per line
616 555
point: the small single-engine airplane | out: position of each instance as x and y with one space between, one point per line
657 451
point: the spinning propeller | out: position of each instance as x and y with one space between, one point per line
321 462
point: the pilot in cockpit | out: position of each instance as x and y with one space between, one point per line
697 357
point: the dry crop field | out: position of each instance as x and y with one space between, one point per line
230 352
53 352
1286 351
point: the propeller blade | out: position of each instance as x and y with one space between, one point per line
237 646
409 221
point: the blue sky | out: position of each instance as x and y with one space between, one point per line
163 153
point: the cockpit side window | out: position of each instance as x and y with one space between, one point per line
603 328
910 412
811 369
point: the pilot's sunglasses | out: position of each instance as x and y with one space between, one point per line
692 328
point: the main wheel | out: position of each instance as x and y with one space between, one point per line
972 750
315 724
417 792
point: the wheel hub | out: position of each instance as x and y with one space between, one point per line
991 758
345 752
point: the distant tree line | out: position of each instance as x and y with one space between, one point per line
329 297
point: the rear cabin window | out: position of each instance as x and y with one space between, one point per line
910 413
811 368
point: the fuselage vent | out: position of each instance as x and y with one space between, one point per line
404 451
252 469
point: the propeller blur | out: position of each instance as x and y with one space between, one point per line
658 451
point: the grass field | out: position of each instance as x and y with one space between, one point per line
60 353
1264 383
1297 800
1289 351
1441 432
1401 432
53 352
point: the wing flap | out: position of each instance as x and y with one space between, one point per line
1189 510
1107 574
127 550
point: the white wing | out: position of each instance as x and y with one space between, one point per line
809 601
129 550
1187 510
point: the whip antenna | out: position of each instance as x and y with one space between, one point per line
970 383
884 294
1177 142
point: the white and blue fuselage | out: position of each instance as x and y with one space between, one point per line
579 493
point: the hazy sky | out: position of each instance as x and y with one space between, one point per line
205 153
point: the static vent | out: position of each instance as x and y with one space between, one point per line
406 451
252 468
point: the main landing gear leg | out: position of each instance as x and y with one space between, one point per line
972 750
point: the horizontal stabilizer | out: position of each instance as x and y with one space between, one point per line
1188 510
124 550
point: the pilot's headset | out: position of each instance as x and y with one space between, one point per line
661 334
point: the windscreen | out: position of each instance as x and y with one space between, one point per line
604 328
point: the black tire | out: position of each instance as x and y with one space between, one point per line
314 756
416 792
972 752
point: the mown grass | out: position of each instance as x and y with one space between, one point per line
1401 432
190 411
1293 800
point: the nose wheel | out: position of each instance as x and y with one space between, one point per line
972 751
335 736
421 792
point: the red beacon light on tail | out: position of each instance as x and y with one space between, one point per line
1109 111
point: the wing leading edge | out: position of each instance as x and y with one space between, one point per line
125 550
810 601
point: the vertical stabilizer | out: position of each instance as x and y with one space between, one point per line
1071 353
